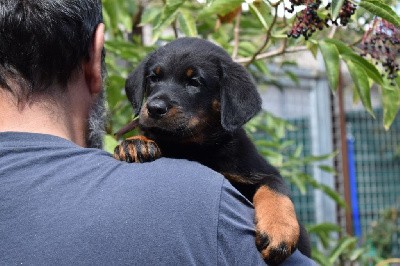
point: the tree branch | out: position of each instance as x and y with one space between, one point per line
267 38
237 36
279 51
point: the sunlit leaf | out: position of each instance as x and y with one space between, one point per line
344 243
333 195
299 183
336 5
331 58
382 10
259 16
360 79
320 257
110 143
391 104
115 90
324 227
356 96
313 48
220 7
150 14
187 23
168 15
369 68
327 169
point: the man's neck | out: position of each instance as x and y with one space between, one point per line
58 118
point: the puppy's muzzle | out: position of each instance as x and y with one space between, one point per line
157 108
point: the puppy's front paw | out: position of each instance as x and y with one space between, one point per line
277 228
137 149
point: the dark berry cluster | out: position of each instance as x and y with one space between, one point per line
347 10
308 20
382 43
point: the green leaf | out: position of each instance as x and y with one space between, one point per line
331 58
312 47
262 67
327 169
344 244
341 46
150 14
369 68
115 90
109 143
324 227
294 77
357 253
258 14
356 96
220 7
336 5
333 195
382 10
311 159
168 15
299 183
397 81
328 191
360 79
320 257
187 23
118 13
391 104
348 55
324 233
298 152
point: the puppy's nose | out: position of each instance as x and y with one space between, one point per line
157 108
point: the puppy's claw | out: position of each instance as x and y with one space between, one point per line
138 149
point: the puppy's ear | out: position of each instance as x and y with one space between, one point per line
240 100
135 86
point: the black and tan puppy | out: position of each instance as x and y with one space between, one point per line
192 100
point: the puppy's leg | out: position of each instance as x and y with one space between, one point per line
277 228
137 149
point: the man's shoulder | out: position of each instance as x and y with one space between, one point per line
164 170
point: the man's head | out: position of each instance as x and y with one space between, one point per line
43 44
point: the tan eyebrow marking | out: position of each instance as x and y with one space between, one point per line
189 72
158 70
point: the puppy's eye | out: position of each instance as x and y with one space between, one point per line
194 82
153 77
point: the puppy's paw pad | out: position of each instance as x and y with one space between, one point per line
262 241
137 149
273 253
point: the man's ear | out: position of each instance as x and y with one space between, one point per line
240 100
93 66
135 86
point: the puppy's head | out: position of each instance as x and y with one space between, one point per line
190 89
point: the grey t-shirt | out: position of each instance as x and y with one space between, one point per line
61 204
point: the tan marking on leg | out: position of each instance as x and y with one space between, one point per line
133 153
119 153
275 218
